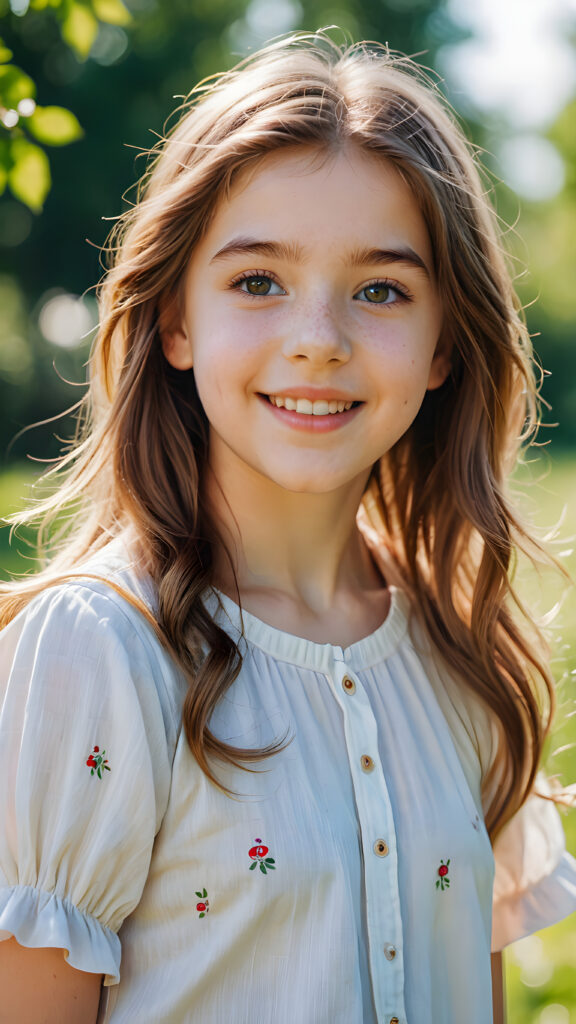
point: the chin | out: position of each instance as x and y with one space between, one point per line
298 483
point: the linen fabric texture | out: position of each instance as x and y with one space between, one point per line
313 893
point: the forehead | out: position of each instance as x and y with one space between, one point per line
309 196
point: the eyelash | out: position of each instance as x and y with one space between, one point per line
402 292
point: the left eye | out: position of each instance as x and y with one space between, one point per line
378 293
259 285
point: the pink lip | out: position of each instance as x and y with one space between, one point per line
312 424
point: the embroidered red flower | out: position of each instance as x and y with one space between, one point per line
443 882
98 762
204 905
258 856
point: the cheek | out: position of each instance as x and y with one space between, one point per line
225 365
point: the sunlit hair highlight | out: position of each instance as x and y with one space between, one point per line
438 500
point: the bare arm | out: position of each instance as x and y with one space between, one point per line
38 986
498 995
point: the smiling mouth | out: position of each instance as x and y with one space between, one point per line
319 407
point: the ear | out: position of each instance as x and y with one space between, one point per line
441 364
176 344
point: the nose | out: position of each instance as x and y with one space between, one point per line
317 334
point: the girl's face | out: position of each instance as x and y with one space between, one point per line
311 318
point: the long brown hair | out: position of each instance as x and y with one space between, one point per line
438 499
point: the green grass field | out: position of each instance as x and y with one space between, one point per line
540 970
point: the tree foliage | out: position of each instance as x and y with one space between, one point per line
104 75
25 165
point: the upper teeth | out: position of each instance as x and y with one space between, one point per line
304 405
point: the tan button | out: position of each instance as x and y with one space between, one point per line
349 685
394 1020
389 951
381 848
367 763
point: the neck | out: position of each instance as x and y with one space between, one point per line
304 547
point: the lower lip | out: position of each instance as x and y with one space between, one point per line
313 424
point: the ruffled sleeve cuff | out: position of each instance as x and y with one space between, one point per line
42 919
552 899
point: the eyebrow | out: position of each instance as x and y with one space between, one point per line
291 252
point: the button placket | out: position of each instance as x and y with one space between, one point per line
378 838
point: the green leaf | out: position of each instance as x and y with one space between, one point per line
5 53
29 177
198 893
15 85
252 866
79 30
113 12
262 869
54 126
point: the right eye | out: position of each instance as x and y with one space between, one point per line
258 284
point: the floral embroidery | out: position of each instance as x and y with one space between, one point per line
258 857
97 762
443 882
204 905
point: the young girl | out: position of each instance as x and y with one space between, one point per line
268 709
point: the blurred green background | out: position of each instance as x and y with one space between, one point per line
86 87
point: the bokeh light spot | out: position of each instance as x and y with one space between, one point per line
66 320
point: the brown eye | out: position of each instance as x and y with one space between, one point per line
378 292
257 285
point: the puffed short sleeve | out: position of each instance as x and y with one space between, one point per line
85 768
535 879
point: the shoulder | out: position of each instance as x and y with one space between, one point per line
93 633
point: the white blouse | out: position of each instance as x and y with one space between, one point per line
348 880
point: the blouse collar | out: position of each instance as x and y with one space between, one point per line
297 650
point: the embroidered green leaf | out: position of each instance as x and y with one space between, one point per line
252 866
97 762
263 869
